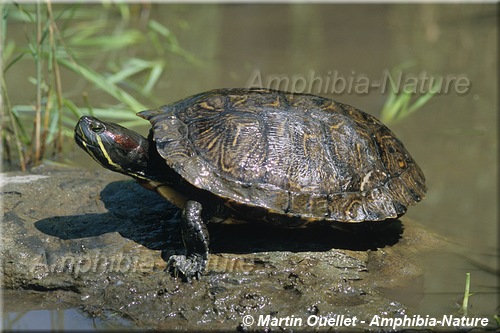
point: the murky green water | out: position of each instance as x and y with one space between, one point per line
453 138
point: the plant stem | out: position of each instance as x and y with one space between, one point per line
38 66
13 125
465 304
57 78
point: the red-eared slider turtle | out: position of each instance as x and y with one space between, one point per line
291 160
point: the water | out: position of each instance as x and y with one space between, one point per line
32 311
453 138
38 320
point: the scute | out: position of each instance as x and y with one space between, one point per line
292 154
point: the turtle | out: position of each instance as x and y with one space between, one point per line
236 155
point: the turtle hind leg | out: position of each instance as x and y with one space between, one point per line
195 237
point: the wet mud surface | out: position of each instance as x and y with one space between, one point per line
98 241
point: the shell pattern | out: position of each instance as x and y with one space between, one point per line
297 155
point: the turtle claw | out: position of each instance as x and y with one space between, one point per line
193 262
187 267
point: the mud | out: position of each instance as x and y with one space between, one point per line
97 241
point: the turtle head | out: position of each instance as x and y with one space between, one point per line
113 146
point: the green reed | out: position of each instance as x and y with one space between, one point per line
402 102
467 294
91 42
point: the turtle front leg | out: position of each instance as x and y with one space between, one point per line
195 238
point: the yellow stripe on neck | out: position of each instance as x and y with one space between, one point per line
106 155
109 160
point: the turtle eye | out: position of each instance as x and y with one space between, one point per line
97 127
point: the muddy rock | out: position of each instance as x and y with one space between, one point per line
102 240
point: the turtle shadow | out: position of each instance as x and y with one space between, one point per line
148 219
249 238
134 212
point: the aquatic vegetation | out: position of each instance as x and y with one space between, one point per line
89 44
402 102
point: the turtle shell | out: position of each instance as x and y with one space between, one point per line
298 155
